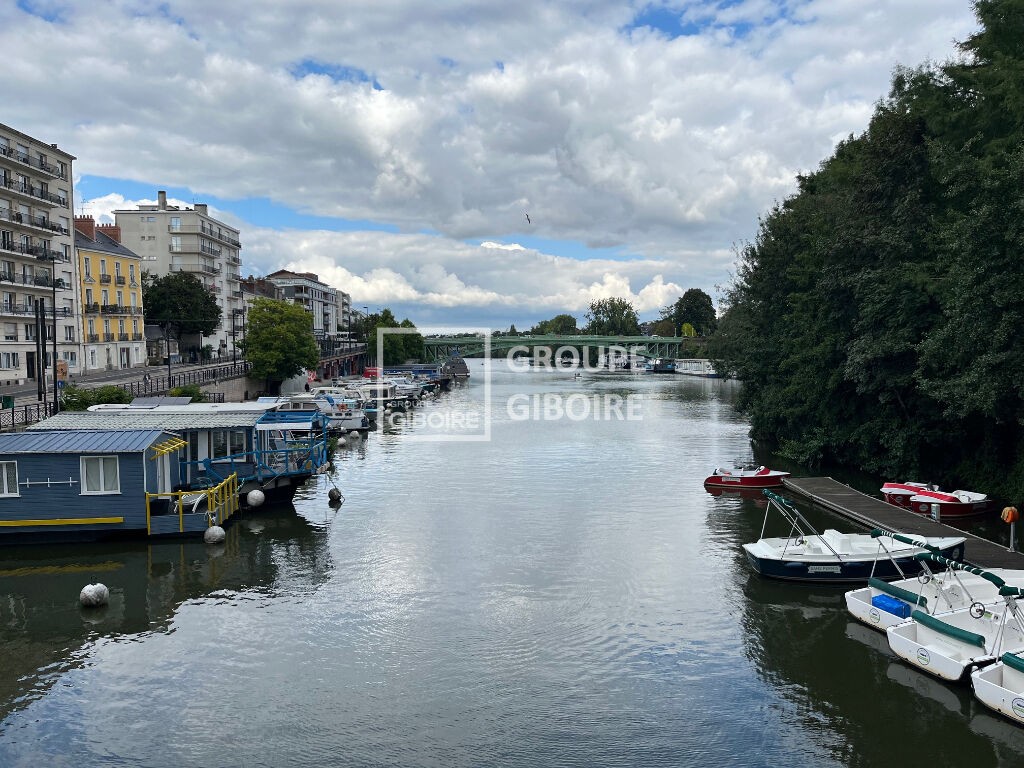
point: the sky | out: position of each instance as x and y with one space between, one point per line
395 148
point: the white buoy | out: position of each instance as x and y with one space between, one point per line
214 535
94 595
354 433
342 440
255 497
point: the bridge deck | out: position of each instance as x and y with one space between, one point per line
876 513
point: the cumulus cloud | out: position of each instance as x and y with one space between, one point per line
452 118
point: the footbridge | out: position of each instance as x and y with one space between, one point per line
473 346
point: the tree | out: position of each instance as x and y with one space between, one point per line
75 398
694 307
612 317
663 328
279 341
181 302
559 325
397 347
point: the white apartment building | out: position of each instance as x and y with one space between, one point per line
36 258
319 299
170 238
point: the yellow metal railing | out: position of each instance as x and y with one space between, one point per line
221 503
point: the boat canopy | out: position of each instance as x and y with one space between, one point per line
956 565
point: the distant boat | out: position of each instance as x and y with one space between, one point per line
745 477
919 498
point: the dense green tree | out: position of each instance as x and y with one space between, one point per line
663 328
179 300
874 320
559 325
694 307
76 398
279 341
612 317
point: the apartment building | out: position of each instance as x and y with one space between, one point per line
171 238
36 260
110 284
319 299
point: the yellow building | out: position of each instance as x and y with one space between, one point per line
110 284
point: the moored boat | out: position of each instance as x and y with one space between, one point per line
1000 686
921 498
831 556
883 604
747 476
952 645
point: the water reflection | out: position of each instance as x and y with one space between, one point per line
44 632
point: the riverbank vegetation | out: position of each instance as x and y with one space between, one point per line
876 319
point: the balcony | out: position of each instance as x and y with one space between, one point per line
203 229
119 280
123 337
108 337
36 193
105 279
114 309
13 153
93 338
35 222
137 337
200 269
92 309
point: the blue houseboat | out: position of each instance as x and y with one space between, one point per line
74 484
268 451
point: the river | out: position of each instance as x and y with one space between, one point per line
505 584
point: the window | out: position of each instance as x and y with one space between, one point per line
175 243
227 443
175 223
120 298
10 331
9 360
30 332
103 266
88 267
69 333
99 475
88 295
131 273
8 478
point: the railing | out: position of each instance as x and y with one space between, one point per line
108 337
123 337
21 157
221 503
114 309
21 309
36 192
40 222
93 338
204 230
39 251
105 279
92 309
119 280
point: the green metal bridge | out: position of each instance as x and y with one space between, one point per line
436 349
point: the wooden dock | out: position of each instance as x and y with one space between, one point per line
875 513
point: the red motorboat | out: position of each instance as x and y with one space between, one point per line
919 498
745 477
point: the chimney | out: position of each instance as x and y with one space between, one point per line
86 225
110 230
161 200
201 208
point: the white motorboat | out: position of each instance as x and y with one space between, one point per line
952 645
1000 686
883 604
831 556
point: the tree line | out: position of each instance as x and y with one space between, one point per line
875 319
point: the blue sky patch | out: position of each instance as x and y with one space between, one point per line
340 73
258 211
50 11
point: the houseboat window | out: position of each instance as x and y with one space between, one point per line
227 443
8 478
193 446
99 474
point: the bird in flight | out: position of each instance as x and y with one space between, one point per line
528 219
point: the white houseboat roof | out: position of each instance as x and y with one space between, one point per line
164 417
80 441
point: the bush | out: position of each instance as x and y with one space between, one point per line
189 390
